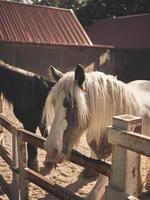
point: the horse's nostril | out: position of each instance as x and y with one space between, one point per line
45 134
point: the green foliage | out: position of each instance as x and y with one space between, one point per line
59 3
88 11
99 9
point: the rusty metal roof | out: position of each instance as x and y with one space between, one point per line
122 32
32 24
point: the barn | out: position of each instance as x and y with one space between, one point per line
129 35
34 37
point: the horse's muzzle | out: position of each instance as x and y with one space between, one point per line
54 157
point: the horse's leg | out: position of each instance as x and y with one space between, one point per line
48 164
88 172
32 157
43 130
98 192
32 150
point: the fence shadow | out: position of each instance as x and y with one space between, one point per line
145 196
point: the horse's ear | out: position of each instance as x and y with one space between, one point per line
56 74
79 75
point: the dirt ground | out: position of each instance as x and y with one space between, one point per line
66 174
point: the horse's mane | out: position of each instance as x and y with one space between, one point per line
22 87
101 97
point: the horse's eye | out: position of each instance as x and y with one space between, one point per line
66 103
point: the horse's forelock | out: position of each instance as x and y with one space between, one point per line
49 108
83 111
68 87
73 91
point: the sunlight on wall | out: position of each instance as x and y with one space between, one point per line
105 57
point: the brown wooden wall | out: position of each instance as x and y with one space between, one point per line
38 58
136 64
128 65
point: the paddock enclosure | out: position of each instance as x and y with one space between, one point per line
55 184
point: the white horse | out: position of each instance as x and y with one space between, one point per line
87 102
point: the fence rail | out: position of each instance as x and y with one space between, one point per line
131 141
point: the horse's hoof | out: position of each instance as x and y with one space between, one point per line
49 165
88 173
33 165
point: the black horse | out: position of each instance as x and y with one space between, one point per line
27 93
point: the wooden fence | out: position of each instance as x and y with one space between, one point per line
1 129
22 175
125 164
127 145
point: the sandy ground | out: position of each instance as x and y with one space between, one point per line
66 174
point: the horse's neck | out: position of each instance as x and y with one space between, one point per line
13 84
115 100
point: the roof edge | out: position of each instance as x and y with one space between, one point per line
55 44
81 27
122 17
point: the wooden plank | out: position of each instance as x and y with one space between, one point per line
7 124
1 137
1 128
96 165
23 183
115 194
130 140
6 188
125 164
6 156
54 189
125 170
127 122
32 138
15 178
98 191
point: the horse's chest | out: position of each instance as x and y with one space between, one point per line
102 149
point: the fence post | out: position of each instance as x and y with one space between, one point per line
15 179
23 183
1 129
125 164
